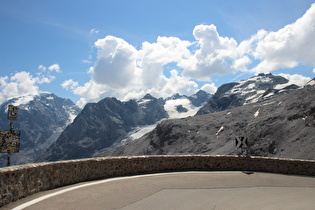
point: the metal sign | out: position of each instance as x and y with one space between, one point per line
12 112
241 142
9 141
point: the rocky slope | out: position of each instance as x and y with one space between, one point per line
281 125
41 119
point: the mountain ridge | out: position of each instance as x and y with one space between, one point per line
280 126
41 119
108 123
251 90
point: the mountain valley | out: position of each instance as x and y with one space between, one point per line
276 116
111 123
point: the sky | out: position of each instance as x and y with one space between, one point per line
86 50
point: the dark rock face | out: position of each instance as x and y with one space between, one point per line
281 126
151 110
40 120
181 109
101 124
105 124
197 99
248 91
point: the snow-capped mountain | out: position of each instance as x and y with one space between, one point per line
252 90
179 106
110 123
100 125
279 126
41 119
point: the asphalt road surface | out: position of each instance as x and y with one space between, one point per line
187 190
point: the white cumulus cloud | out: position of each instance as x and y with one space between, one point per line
19 84
44 75
209 88
55 67
69 84
288 47
124 72
296 79
115 66
22 83
213 57
153 56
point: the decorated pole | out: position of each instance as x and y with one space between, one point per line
10 143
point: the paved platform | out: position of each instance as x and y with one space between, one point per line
187 190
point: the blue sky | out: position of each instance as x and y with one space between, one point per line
87 50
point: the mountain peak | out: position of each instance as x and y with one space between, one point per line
201 92
264 75
246 91
148 96
282 128
20 100
42 118
176 96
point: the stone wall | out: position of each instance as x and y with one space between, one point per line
20 181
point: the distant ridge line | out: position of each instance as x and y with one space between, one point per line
310 81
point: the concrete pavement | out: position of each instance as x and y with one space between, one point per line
186 190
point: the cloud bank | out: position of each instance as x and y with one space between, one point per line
22 83
172 65
125 72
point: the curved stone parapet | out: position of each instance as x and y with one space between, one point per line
20 181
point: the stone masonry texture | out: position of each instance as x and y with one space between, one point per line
17 182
